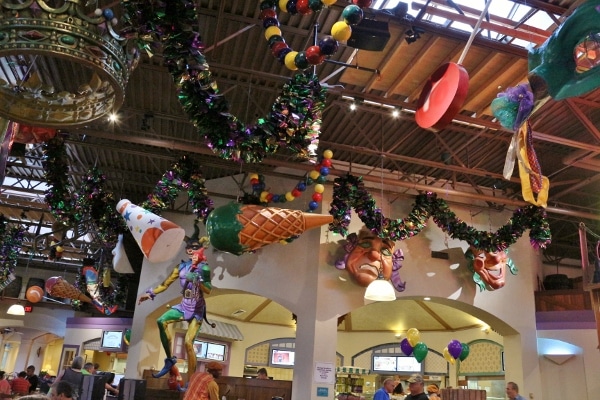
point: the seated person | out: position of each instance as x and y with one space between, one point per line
262 374
110 389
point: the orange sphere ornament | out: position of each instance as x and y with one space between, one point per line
34 294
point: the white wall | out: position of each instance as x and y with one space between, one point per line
307 285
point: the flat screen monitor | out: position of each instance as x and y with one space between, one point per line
215 351
200 348
111 340
384 363
406 364
282 357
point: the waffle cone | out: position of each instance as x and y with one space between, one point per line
65 290
266 225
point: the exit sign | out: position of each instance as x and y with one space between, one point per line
28 308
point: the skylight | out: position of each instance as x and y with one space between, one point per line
506 13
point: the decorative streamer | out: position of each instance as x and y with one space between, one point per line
349 193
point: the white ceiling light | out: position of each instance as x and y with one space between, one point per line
16 309
380 290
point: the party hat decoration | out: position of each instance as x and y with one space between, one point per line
158 238
237 229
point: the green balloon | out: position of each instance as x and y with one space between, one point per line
420 351
464 352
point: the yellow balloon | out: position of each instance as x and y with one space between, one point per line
314 174
448 357
413 336
328 2
319 188
283 5
328 154
271 31
341 31
289 60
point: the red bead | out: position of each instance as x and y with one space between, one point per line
317 197
326 162
362 3
296 193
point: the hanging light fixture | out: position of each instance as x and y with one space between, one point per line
16 309
380 289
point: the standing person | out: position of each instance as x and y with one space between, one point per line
512 391
194 278
73 376
88 369
32 378
386 390
20 385
416 387
5 390
262 374
202 385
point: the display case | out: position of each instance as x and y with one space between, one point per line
350 382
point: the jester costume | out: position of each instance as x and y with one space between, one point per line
194 278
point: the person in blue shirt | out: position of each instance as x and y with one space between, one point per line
512 391
386 390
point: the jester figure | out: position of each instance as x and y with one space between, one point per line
194 278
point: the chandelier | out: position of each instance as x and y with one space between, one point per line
61 62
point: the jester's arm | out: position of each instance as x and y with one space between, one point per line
151 293
206 285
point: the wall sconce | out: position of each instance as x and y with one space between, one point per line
16 309
559 359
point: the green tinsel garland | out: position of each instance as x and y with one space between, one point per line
295 117
184 174
349 193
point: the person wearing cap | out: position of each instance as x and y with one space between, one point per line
202 385
512 391
384 392
416 387
433 391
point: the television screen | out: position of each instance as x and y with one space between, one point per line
200 348
111 340
407 364
282 357
215 351
384 363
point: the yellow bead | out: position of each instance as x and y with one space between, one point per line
328 154
273 30
328 2
319 188
341 31
283 5
289 196
289 60
314 174
255 176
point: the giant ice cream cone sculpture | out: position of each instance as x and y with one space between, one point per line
58 287
237 228
158 238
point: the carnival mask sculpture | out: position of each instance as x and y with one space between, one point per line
489 267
